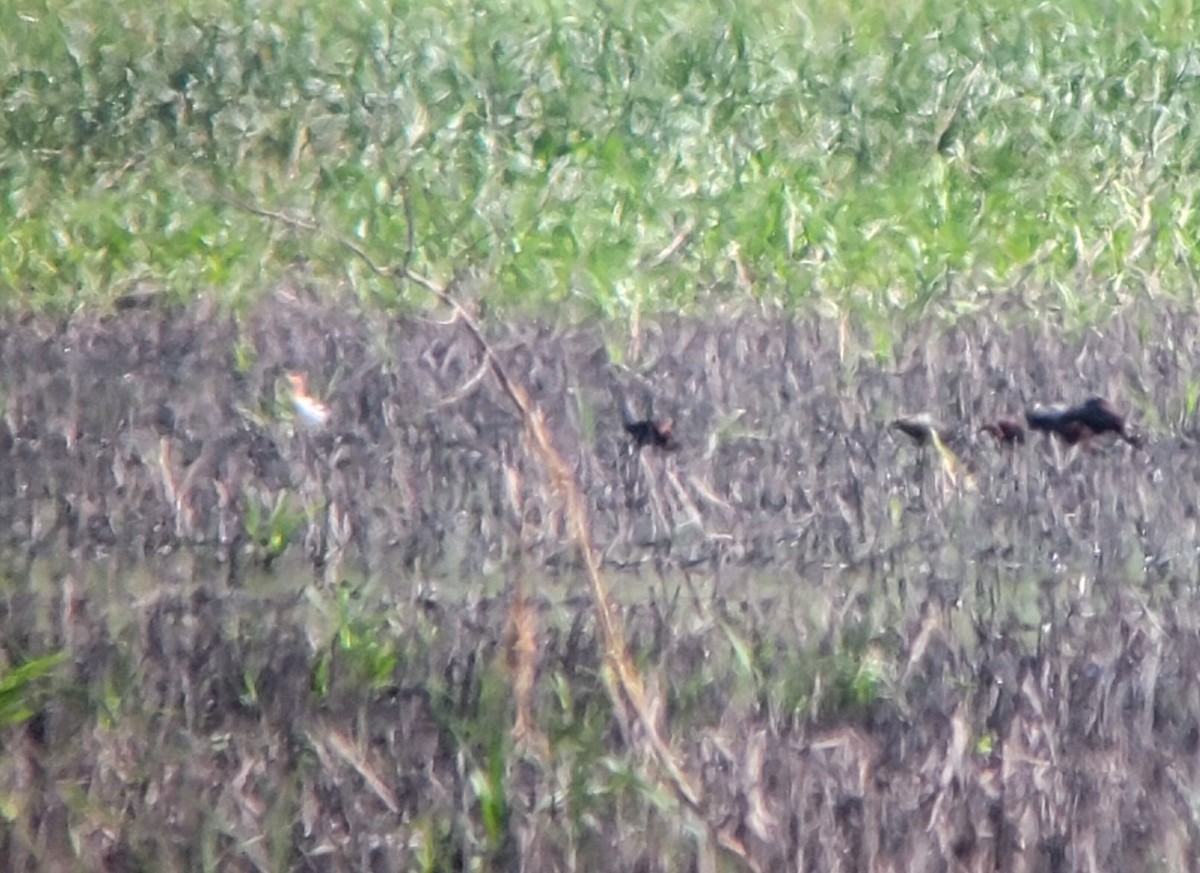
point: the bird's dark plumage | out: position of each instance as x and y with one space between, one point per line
920 429
660 434
651 431
1006 431
1080 423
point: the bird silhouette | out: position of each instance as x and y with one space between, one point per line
1006 431
1076 424
648 432
658 433
921 429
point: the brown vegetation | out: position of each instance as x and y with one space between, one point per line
858 670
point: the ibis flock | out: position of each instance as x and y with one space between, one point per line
1074 425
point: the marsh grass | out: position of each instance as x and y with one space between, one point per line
21 687
231 643
851 656
873 159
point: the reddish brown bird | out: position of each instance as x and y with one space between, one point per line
648 432
1006 431
1080 423
651 431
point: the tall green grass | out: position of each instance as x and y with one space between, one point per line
621 157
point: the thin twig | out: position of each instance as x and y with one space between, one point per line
621 676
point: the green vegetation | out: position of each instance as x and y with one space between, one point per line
271 528
334 646
624 157
19 693
189 680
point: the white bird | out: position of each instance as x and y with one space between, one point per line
312 411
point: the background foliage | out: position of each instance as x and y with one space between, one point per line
621 156
230 643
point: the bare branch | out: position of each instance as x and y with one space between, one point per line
621 676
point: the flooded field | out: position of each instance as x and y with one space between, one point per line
367 643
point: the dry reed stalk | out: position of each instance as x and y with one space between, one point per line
522 666
329 740
520 642
622 680
621 677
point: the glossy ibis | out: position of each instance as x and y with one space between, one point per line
1080 423
1006 431
924 431
921 429
648 432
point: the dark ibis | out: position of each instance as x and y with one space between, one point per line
921 429
1006 431
648 432
1076 424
